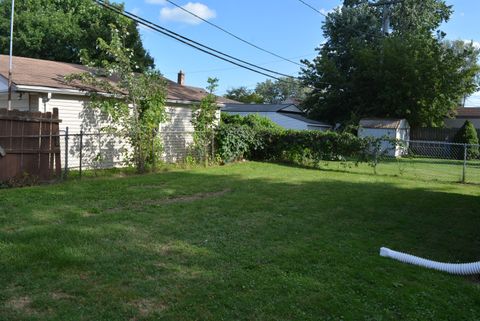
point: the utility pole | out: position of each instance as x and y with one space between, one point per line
386 13
9 106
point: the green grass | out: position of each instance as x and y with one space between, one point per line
425 169
249 241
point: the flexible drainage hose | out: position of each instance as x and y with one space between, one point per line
452 268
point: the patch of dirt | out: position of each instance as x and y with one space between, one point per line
187 198
171 200
21 304
146 307
61 296
141 187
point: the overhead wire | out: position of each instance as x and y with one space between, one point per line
232 34
194 44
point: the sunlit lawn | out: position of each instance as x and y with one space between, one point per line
249 241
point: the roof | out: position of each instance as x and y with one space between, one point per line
47 73
306 120
383 123
468 112
256 108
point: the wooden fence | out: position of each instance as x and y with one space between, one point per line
435 134
30 145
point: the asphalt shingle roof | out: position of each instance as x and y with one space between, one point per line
47 73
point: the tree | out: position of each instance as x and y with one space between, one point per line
410 73
244 95
134 102
468 135
204 121
274 92
58 30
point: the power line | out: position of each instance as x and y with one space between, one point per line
235 68
194 44
232 34
312 7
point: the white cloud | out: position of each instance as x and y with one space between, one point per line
162 2
475 44
177 14
135 11
326 11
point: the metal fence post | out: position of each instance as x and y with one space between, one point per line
213 145
81 153
65 170
464 163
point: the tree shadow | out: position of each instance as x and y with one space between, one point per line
281 244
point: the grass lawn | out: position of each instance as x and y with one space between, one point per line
249 241
426 169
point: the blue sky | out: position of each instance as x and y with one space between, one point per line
286 27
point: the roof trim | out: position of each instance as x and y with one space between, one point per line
76 92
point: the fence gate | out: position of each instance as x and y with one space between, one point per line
29 145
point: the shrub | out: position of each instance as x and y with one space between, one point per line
234 142
468 135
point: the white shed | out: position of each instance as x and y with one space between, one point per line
398 129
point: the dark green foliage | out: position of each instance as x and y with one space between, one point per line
59 30
411 73
257 138
468 135
239 137
300 147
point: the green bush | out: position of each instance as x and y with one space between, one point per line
258 138
239 137
468 135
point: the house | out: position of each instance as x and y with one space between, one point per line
39 85
288 116
396 129
464 113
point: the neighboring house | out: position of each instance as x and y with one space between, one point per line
398 129
464 113
39 85
288 116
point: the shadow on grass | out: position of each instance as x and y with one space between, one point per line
282 244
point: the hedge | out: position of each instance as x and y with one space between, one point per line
257 138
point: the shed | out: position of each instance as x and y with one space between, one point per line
398 129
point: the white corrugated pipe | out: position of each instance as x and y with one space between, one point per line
452 268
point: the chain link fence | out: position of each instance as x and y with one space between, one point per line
421 160
87 151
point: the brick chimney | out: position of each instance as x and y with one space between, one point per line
181 78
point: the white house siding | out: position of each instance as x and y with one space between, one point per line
284 121
102 150
99 149
177 133
19 102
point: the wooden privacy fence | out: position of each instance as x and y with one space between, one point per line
435 134
29 145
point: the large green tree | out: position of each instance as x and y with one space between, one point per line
244 95
274 92
412 72
59 29
270 92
